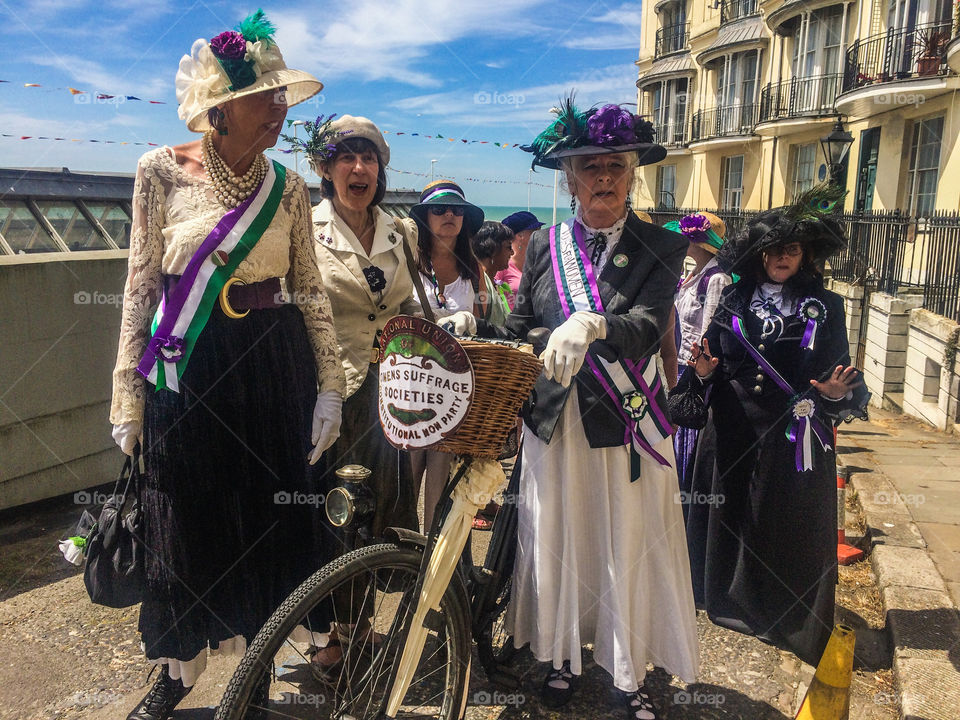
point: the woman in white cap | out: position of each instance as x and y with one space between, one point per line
233 390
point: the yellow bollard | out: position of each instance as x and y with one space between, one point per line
828 697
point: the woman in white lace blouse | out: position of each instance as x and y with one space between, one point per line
234 396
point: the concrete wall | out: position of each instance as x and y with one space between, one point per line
59 323
930 387
886 347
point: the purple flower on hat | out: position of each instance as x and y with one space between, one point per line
229 45
695 227
611 125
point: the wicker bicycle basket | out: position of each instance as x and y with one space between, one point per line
503 378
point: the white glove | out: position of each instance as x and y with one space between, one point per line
326 422
568 345
126 435
463 323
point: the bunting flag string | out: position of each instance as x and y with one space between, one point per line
77 140
473 179
98 96
435 136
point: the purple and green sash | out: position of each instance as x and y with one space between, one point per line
632 385
181 317
804 425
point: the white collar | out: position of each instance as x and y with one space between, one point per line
331 230
612 233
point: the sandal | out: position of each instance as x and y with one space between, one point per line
639 706
558 687
320 657
480 522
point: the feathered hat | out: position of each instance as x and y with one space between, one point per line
235 63
596 131
809 221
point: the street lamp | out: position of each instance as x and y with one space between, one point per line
432 163
835 147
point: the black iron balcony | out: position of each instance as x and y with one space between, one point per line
672 134
731 10
812 96
671 39
897 55
723 121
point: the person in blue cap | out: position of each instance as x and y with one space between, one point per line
523 224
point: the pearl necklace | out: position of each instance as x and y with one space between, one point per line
230 189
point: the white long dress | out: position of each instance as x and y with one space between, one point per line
602 560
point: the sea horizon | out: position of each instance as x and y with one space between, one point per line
544 213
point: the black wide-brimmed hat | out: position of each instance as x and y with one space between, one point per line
447 193
596 131
810 220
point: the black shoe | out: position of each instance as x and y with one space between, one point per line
161 700
558 687
639 706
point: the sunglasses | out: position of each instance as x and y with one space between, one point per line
442 210
792 250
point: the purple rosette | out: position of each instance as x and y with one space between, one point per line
695 227
229 45
611 125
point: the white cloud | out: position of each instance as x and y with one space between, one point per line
94 77
625 33
369 41
524 105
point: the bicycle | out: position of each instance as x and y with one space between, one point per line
368 602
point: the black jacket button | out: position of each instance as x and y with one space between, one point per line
371 317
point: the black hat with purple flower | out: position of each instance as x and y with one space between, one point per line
596 131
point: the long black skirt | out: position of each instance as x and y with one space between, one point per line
233 518
762 535
362 442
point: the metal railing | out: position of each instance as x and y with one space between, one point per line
800 97
672 134
731 10
723 121
898 54
670 39
887 251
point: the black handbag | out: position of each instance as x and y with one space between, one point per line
114 572
687 402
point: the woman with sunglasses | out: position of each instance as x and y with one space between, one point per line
761 527
454 285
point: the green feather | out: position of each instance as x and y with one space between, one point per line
567 130
815 203
256 27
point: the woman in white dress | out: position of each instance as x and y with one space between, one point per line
601 556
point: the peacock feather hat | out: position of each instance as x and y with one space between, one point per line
810 220
235 63
595 131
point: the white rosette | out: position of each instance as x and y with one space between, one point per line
481 482
265 56
200 81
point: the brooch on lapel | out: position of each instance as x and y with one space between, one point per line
375 278
620 260
392 238
814 312
325 239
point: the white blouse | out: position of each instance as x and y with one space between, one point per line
457 295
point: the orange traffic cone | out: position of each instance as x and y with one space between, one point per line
828 697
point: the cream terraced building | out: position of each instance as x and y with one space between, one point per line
741 91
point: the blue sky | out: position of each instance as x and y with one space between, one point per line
486 70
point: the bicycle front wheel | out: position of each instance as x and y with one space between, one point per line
356 606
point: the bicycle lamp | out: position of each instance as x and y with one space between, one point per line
352 501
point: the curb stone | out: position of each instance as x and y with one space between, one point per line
921 620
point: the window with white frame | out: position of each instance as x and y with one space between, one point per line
817 59
804 167
733 182
736 92
666 186
924 166
668 110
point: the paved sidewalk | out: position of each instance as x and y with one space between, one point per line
907 481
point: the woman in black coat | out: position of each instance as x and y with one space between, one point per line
762 523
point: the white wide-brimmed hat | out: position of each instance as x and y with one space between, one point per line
233 64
